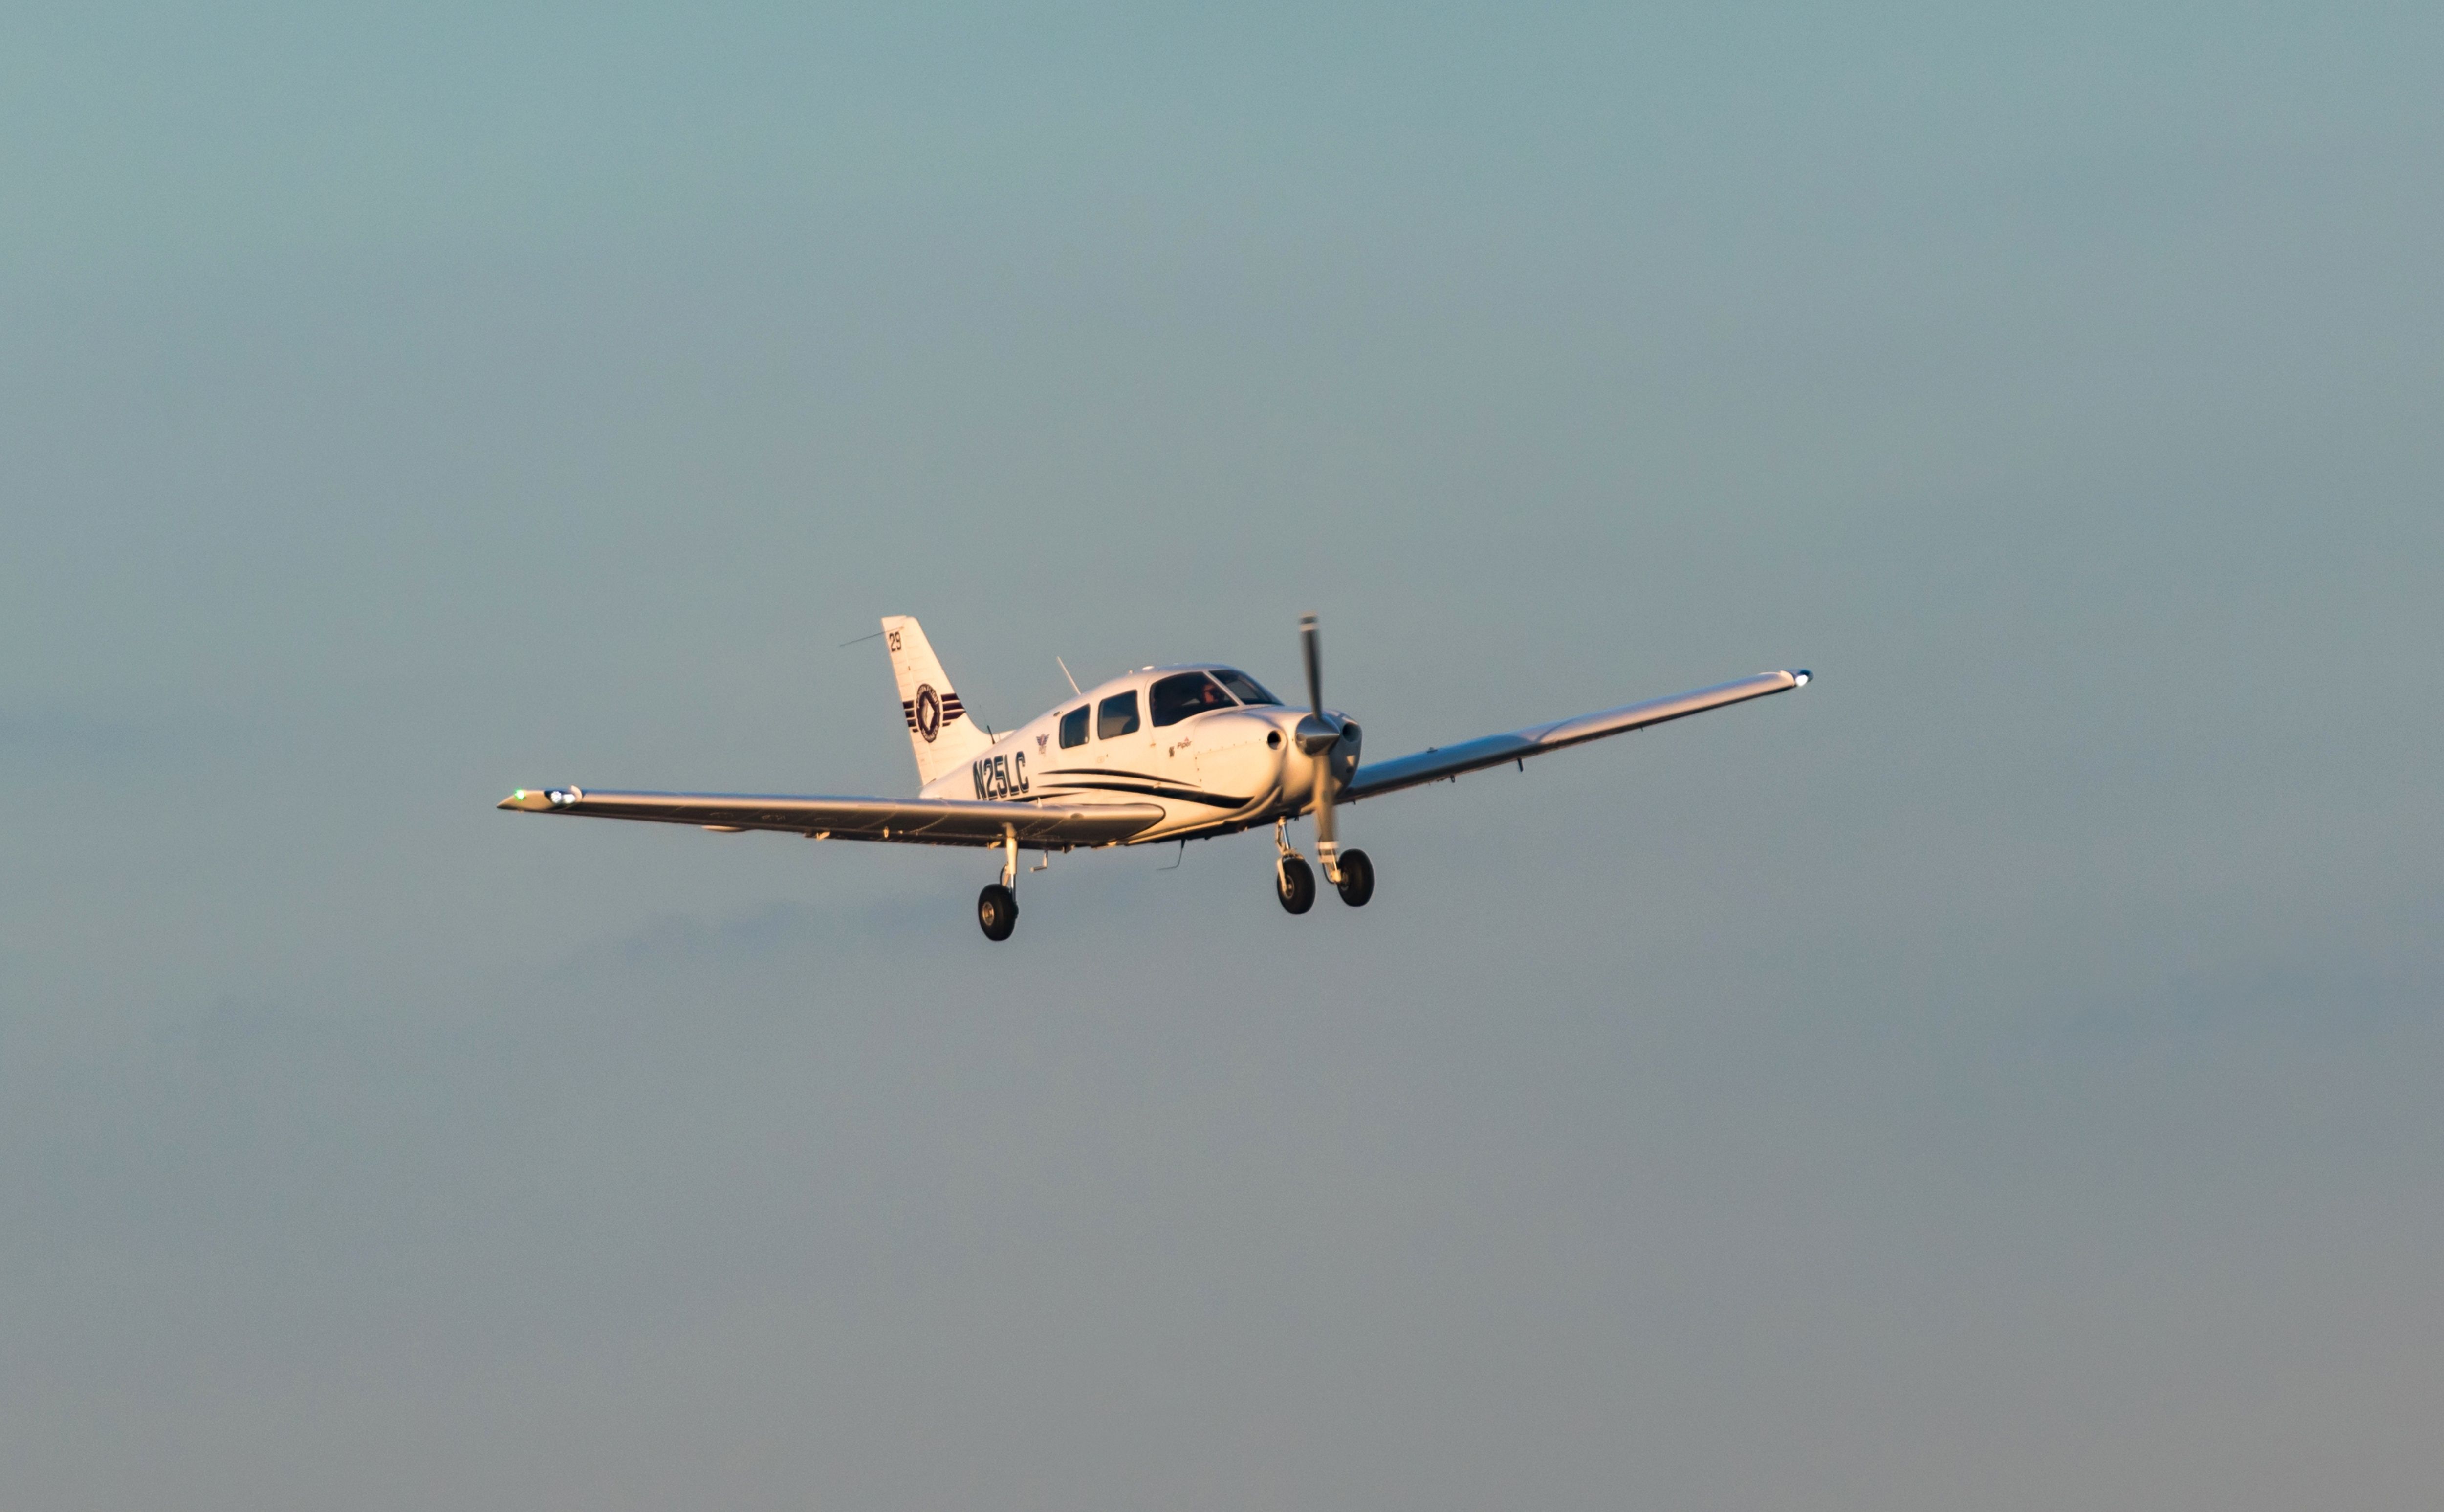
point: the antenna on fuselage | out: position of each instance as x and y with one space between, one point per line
1073 679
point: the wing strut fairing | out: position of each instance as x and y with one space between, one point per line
1433 765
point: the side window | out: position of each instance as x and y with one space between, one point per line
1117 716
1073 728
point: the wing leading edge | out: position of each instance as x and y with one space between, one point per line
1437 763
912 821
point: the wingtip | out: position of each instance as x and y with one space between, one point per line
530 801
1802 677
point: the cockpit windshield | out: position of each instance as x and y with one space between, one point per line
1245 688
1179 696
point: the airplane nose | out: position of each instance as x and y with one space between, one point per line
1331 741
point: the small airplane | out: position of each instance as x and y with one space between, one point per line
1163 753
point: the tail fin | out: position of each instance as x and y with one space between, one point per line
938 727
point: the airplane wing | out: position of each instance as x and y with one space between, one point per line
900 820
1436 763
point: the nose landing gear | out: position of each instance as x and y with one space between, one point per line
1356 880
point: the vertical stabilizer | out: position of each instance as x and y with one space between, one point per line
938 727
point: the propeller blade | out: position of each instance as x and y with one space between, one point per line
1327 736
1315 733
1314 664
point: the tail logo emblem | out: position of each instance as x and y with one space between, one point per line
929 713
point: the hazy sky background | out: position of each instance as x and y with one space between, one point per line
2003 1075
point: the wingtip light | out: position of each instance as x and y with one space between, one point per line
531 801
1799 678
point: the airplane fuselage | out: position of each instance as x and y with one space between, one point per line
1223 758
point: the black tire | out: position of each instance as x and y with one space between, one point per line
1356 879
997 910
1295 884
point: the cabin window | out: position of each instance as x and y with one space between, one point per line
1182 694
1246 689
1073 728
1117 716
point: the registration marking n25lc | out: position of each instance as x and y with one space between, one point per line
1000 776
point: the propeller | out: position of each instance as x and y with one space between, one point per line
1316 735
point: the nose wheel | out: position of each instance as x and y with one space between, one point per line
1356 879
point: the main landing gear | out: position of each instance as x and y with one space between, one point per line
1294 881
997 905
997 910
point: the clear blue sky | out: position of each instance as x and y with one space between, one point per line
2003 1075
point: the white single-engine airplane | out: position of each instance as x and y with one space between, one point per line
1164 753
